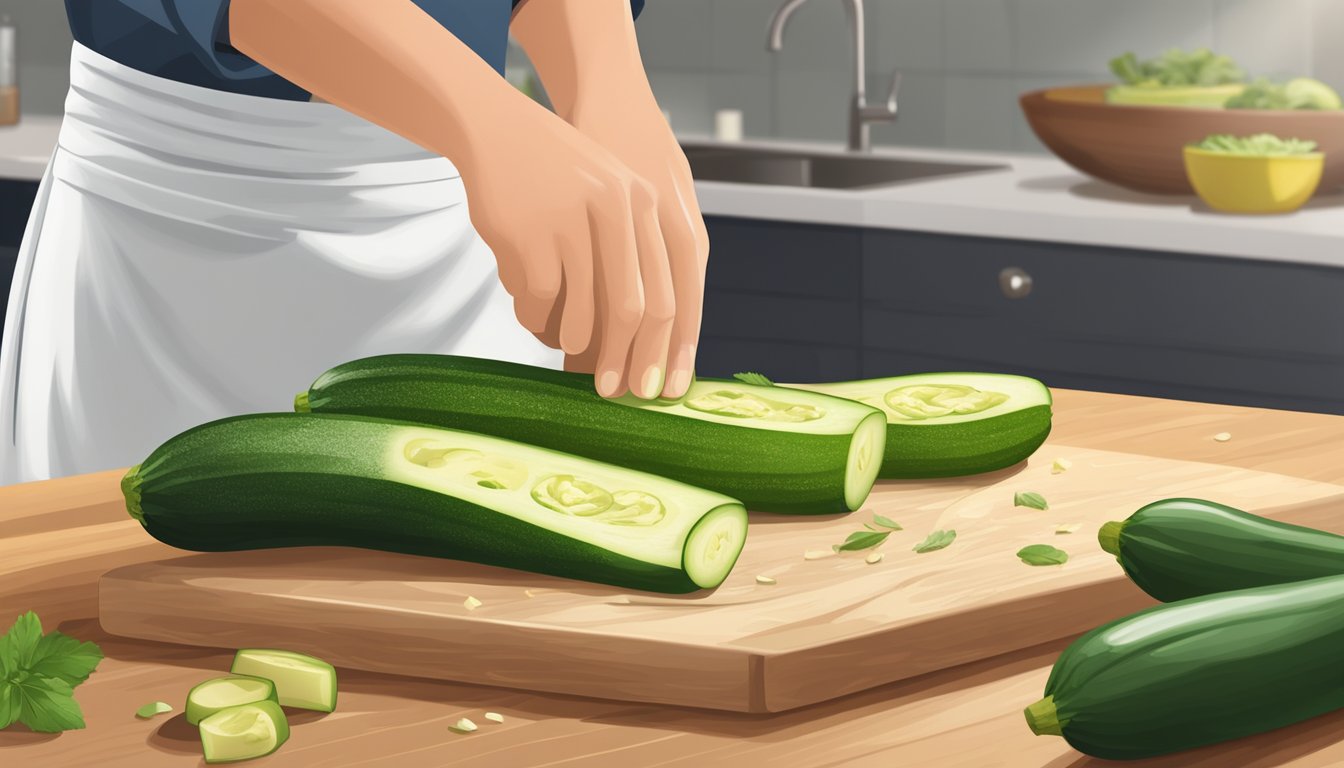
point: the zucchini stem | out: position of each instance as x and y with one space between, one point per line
301 403
1109 536
1043 718
130 488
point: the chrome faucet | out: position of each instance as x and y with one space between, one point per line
861 113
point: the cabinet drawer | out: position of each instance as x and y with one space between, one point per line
782 259
1222 330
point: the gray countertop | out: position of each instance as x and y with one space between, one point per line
1032 197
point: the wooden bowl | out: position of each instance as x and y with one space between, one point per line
1141 147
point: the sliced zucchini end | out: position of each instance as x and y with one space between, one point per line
866 452
300 680
130 488
220 693
1109 536
1043 718
713 545
243 732
301 404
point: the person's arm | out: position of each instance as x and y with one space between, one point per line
556 209
587 56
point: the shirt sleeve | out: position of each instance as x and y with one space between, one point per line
205 23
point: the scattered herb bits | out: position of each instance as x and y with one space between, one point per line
862 540
494 717
1223 437
765 580
1064 530
1030 499
873 559
886 522
1042 554
471 603
464 726
153 708
1060 466
754 378
936 541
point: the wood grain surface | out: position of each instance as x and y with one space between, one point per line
58 537
827 627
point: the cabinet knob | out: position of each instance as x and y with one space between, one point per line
1015 283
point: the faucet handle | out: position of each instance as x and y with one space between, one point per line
895 89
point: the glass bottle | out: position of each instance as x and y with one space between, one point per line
9 73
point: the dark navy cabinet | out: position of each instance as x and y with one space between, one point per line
16 201
883 302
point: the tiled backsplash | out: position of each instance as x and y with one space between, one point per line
964 61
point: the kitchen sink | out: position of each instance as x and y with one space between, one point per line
749 165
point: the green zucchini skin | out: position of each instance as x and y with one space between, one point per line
1200 671
1005 435
768 470
289 480
1179 548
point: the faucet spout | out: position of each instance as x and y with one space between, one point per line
775 43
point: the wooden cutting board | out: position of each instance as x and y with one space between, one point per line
827 627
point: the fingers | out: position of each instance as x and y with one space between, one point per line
647 370
533 279
576 259
688 254
620 305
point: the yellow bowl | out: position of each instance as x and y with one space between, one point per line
1254 184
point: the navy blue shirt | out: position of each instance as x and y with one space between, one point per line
188 40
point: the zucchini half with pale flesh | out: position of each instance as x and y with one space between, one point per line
950 424
775 450
287 480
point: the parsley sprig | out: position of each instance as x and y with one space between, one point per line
38 675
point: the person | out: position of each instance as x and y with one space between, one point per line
247 193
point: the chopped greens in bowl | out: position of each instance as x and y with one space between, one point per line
1258 145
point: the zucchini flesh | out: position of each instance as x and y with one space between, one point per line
952 424
288 480
1178 548
1199 671
300 680
775 450
243 732
220 693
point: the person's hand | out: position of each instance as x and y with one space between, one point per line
634 130
579 244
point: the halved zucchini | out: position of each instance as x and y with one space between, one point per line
219 693
949 424
288 480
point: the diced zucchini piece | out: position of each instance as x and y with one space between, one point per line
300 680
220 693
244 732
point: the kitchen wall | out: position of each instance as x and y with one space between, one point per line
964 61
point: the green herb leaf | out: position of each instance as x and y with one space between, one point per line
38 674
63 657
1030 499
1258 145
153 708
871 527
887 522
19 643
1043 554
47 705
862 540
754 378
936 541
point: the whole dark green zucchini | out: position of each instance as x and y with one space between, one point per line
1199 671
1179 548
774 449
291 480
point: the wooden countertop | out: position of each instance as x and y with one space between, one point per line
58 537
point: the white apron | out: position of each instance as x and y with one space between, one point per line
195 254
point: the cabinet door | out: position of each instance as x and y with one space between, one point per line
16 201
1179 326
781 299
